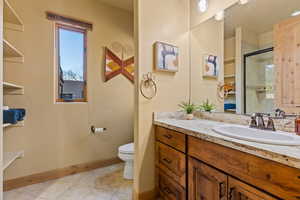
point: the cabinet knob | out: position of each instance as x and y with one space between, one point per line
167 160
168 136
167 190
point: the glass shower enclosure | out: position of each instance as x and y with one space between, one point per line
259 80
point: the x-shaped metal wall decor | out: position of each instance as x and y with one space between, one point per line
115 66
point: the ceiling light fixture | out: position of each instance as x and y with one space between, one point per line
296 13
242 2
220 15
203 5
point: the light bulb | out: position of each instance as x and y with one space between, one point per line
242 2
203 5
220 15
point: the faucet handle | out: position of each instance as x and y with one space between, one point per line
253 122
280 113
270 125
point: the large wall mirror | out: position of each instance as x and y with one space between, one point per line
232 56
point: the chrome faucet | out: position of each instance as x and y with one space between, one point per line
280 113
257 121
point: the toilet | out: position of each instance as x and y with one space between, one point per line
126 153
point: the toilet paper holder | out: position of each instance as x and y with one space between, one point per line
97 130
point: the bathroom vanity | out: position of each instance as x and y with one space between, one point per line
193 162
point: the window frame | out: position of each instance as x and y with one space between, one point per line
58 26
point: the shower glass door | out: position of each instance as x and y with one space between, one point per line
259 79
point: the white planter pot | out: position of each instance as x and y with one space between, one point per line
189 116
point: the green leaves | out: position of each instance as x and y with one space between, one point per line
207 107
189 108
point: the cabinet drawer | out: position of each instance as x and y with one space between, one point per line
272 177
168 189
171 138
172 162
240 191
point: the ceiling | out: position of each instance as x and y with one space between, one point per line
123 4
258 16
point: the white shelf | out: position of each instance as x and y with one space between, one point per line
12 89
230 110
6 125
229 76
10 157
231 93
19 124
11 18
12 54
229 60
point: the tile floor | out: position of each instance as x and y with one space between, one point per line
100 184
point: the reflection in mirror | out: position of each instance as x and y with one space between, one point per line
259 81
244 43
206 62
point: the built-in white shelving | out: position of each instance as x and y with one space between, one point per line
10 157
231 110
229 76
6 125
11 53
12 21
12 89
229 60
11 18
19 124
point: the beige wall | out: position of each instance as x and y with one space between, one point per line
206 39
266 40
58 135
229 48
213 7
166 21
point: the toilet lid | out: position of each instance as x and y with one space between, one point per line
127 148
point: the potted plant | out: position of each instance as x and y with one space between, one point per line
207 107
189 109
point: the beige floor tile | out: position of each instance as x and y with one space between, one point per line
19 196
100 184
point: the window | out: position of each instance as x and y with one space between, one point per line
71 63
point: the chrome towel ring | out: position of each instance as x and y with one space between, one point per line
148 82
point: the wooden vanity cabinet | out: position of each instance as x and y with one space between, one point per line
195 169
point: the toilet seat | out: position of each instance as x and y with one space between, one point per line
127 149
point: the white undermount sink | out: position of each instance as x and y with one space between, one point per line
259 136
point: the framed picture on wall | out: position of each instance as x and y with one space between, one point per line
211 66
166 57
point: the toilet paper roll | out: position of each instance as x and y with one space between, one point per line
97 130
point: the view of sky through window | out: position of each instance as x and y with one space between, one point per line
71 54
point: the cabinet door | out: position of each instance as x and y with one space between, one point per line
206 183
287 62
242 191
169 189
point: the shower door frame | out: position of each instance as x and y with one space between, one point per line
262 51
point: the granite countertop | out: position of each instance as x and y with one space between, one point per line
201 128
